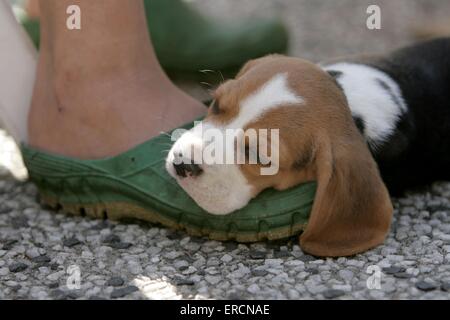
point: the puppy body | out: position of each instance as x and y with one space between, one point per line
401 104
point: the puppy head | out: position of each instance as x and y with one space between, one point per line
315 140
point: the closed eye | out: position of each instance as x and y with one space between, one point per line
252 156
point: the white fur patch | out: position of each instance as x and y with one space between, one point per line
272 94
380 108
223 188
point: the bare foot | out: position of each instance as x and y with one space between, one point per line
32 8
105 114
98 95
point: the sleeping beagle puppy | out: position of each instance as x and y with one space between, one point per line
334 120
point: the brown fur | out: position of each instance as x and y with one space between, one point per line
318 141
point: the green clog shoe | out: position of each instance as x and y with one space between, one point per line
135 184
186 41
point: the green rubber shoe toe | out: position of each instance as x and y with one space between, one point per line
32 27
135 184
194 42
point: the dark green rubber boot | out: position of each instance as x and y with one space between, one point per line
186 41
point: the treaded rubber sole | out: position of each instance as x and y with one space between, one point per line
121 211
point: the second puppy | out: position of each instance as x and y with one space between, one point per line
401 104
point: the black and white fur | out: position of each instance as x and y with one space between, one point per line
401 103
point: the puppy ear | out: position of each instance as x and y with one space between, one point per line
352 209
253 63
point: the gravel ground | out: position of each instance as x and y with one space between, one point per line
42 253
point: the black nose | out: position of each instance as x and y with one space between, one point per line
183 169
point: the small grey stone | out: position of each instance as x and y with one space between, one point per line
111 238
4 271
53 285
294 263
447 257
181 265
235 296
58 294
190 270
393 270
190 259
403 275
183 281
20 222
260 273
41 259
395 257
444 237
254 289
388 288
346 275
115 282
281 254
240 273
201 272
173 255
226 258
425 286
257 255
54 276
312 270
445 287
293 295
213 279
9 244
5 209
307 258
401 235
376 294
276 263
32 253
135 268
230 246
355 263
12 284
54 266
212 271
174 235
17 267
333 294
72 295
100 225
212 262
122 292
71 242
120 245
